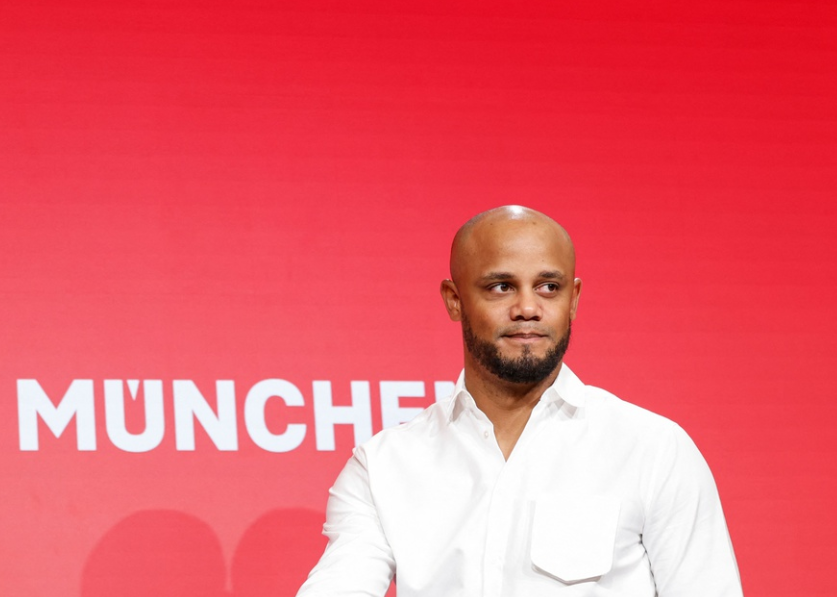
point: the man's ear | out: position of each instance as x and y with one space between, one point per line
576 294
450 295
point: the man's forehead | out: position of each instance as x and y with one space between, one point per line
514 260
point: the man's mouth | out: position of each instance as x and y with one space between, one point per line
526 337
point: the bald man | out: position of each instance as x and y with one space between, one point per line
525 482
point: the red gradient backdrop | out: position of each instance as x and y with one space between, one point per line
245 191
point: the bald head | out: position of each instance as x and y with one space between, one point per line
485 229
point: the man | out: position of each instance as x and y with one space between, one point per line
526 482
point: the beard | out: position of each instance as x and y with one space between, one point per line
525 369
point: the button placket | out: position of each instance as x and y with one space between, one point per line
500 517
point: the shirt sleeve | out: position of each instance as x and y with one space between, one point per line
357 561
685 534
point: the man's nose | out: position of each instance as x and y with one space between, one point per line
526 307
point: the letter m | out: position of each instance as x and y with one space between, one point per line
32 402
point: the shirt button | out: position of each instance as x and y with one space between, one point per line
485 434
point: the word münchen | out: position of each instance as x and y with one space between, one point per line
191 408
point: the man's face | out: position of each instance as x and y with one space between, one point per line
516 297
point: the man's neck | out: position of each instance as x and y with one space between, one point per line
507 405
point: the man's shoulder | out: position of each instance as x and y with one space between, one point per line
423 427
608 410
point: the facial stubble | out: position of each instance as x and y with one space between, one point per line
525 369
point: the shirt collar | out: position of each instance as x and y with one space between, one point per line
567 388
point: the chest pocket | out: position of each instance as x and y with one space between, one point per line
573 537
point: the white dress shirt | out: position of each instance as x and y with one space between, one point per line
598 498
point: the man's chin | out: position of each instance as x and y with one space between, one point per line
524 352
518 362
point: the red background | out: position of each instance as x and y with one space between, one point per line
253 190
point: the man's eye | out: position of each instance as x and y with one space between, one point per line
549 287
501 287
